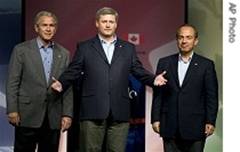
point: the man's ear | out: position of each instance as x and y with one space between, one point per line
96 23
36 28
196 41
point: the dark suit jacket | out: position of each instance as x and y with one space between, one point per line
27 90
189 107
104 85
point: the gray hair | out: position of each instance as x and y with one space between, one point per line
45 13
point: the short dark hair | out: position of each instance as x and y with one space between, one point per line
187 25
106 11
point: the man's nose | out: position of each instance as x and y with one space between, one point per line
184 40
108 24
48 28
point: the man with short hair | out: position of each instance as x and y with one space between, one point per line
37 113
184 111
105 63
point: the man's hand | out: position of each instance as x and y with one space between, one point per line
56 85
156 126
209 129
65 123
160 80
14 118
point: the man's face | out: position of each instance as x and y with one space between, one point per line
186 39
106 25
46 28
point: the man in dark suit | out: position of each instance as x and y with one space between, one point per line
36 112
105 62
184 111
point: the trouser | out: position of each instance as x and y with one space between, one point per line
182 145
103 135
44 138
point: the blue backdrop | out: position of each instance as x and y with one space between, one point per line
10 31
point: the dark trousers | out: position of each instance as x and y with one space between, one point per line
103 136
182 145
27 139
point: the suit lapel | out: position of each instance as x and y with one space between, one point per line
117 50
99 49
174 68
57 57
191 69
37 61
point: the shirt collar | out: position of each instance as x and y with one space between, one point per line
40 43
180 57
103 41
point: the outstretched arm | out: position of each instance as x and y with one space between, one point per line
160 80
56 85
